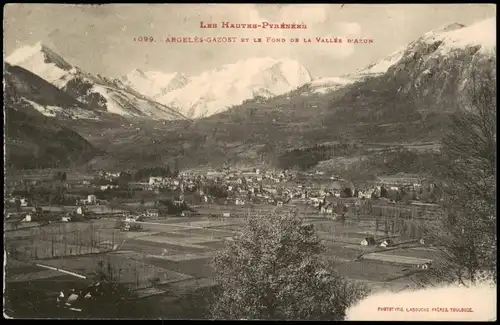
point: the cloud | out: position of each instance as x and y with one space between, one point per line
349 28
436 304
304 13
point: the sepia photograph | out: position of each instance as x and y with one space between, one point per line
250 161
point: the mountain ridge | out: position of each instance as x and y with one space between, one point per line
34 139
218 89
99 93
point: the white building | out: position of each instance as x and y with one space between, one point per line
152 213
24 202
368 241
106 187
154 180
91 199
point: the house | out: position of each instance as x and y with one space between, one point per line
279 203
91 199
424 266
328 208
226 214
153 180
186 213
81 210
368 241
153 213
214 174
130 219
24 202
37 210
386 243
107 187
239 202
179 200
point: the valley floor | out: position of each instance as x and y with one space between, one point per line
177 253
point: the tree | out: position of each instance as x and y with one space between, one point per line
347 192
383 192
272 270
114 204
18 204
466 233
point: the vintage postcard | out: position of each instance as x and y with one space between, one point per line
250 161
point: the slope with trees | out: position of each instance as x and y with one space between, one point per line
467 232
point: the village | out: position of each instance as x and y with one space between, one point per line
156 230
109 193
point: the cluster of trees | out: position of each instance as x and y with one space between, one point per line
305 158
397 226
172 208
273 270
140 175
466 233
216 190
425 193
145 173
42 195
59 176
114 193
77 87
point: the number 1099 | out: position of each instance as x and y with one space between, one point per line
144 39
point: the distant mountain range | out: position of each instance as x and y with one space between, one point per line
261 107
100 94
446 40
404 98
217 90
160 95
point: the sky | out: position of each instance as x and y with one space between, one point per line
99 38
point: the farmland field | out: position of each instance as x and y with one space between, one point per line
177 254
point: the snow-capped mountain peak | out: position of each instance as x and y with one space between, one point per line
445 28
154 83
41 60
482 33
97 92
440 41
216 90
